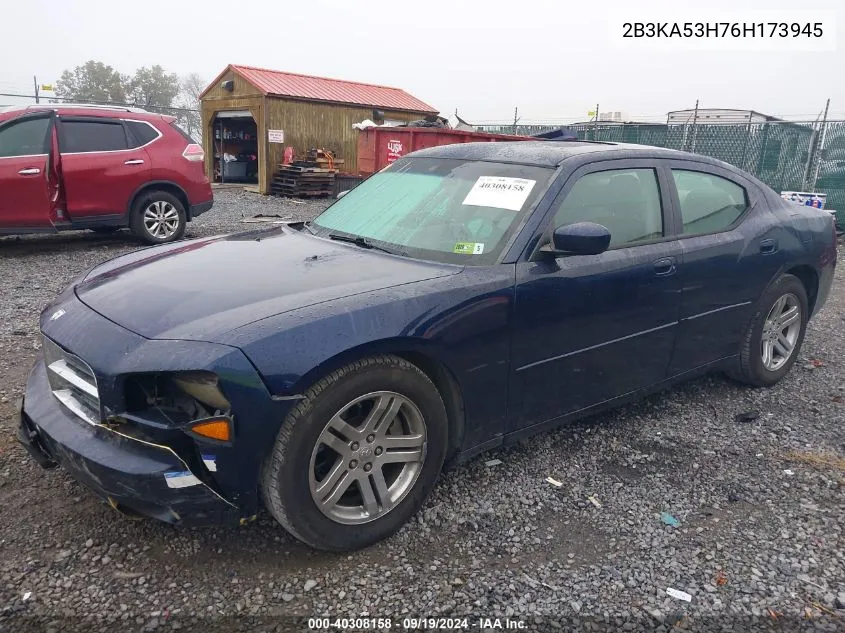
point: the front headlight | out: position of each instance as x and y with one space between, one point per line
203 386
177 397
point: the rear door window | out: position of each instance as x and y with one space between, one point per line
625 201
25 138
92 136
709 203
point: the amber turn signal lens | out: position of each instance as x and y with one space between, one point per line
217 429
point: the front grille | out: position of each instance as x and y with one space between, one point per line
73 382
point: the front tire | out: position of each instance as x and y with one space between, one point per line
158 217
773 340
358 456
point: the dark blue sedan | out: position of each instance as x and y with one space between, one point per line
466 296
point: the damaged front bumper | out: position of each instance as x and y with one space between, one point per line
132 475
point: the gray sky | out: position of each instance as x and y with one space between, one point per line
554 60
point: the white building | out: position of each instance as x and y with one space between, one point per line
717 116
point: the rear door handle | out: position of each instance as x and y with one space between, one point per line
135 161
768 246
664 266
30 171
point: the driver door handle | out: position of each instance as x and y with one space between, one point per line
30 171
664 266
134 161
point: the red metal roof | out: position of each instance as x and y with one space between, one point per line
282 84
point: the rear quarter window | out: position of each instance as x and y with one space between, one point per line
141 133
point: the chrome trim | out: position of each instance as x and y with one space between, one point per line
25 156
116 151
64 370
72 382
65 396
80 106
596 346
709 312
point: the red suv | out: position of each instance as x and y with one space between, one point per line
67 167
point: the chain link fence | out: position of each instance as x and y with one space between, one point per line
787 156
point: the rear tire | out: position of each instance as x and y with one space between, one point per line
375 430
158 217
774 336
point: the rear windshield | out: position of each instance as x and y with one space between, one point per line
439 209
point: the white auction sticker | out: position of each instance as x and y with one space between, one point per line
500 192
181 479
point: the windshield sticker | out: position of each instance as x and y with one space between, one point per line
500 192
469 248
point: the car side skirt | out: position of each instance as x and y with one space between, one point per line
628 398
79 224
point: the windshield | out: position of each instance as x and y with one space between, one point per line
438 209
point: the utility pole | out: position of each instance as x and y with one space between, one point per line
694 125
821 148
811 153
515 119
596 124
35 83
747 138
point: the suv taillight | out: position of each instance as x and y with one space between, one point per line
194 153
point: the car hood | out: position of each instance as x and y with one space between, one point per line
200 289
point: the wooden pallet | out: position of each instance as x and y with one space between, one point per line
311 176
306 169
299 194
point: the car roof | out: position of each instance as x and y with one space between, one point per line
543 153
83 109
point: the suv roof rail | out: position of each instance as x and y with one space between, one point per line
92 106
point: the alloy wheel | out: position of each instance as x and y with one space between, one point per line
780 331
368 457
161 219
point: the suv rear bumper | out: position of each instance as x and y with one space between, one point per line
133 476
198 209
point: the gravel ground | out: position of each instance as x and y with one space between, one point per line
759 507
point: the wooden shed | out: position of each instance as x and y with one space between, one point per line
250 115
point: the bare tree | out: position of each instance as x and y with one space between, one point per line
191 87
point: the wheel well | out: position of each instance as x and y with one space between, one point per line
449 390
810 279
170 188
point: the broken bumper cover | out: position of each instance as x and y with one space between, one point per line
133 476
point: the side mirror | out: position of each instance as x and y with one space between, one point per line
341 194
580 238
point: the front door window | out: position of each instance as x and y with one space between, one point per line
625 201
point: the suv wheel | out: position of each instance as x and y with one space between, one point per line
358 456
158 217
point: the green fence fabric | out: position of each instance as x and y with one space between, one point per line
787 156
